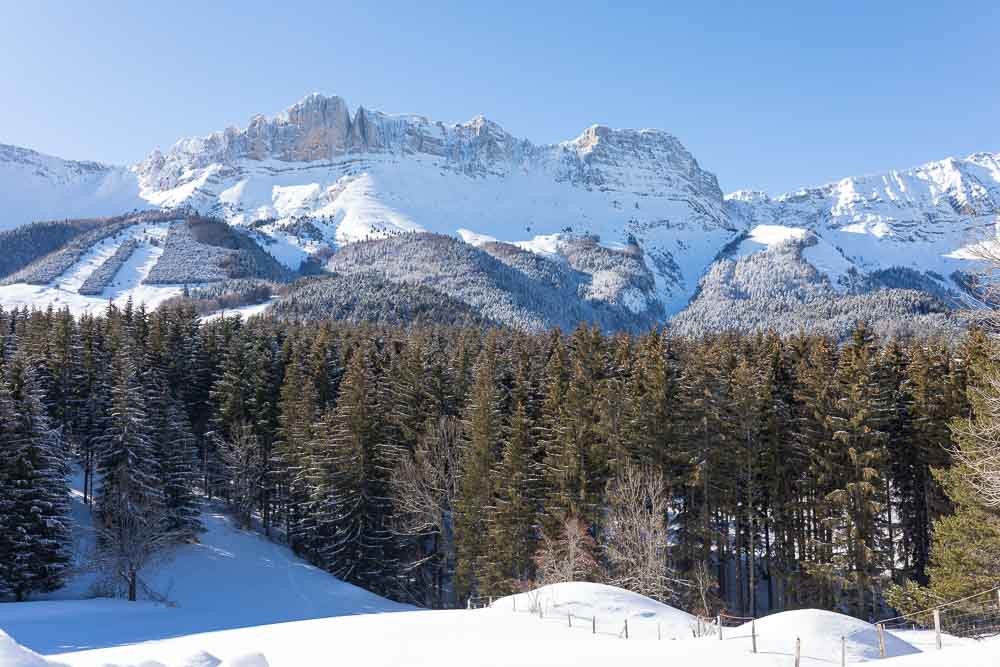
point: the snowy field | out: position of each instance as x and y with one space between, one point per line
498 637
236 594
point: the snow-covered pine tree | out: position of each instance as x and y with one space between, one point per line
130 501
177 451
34 493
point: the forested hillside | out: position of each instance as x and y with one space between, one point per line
429 464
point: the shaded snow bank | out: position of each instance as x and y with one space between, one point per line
231 578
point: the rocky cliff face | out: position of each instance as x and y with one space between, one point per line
372 175
321 128
318 129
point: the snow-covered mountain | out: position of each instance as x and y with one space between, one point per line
34 186
919 217
373 175
318 177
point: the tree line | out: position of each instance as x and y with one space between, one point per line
429 464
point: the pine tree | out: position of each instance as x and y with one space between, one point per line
483 432
130 502
512 538
360 550
857 461
34 501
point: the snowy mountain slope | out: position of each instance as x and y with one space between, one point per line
147 257
920 218
319 177
34 187
81 289
230 579
374 175
800 282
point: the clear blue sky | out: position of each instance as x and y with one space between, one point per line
766 95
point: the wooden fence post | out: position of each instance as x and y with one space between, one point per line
593 625
843 651
718 620
626 628
881 639
937 627
798 651
753 633
514 600
569 617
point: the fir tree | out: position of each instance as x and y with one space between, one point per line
34 503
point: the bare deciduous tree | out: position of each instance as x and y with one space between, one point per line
568 556
979 436
636 537
979 440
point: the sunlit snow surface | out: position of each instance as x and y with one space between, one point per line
368 196
237 593
127 283
34 186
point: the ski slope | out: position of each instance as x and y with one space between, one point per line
127 283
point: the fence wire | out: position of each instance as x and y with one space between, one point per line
972 617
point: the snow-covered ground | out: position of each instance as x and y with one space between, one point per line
497 636
231 579
238 595
604 608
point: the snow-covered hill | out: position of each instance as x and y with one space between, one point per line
34 187
230 579
500 636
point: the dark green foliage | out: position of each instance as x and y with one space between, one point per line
430 462
34 502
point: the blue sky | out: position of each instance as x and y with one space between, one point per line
768 95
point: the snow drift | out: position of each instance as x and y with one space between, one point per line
820 633
607 606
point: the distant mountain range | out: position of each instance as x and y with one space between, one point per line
619 227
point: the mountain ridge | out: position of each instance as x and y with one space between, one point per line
318 177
